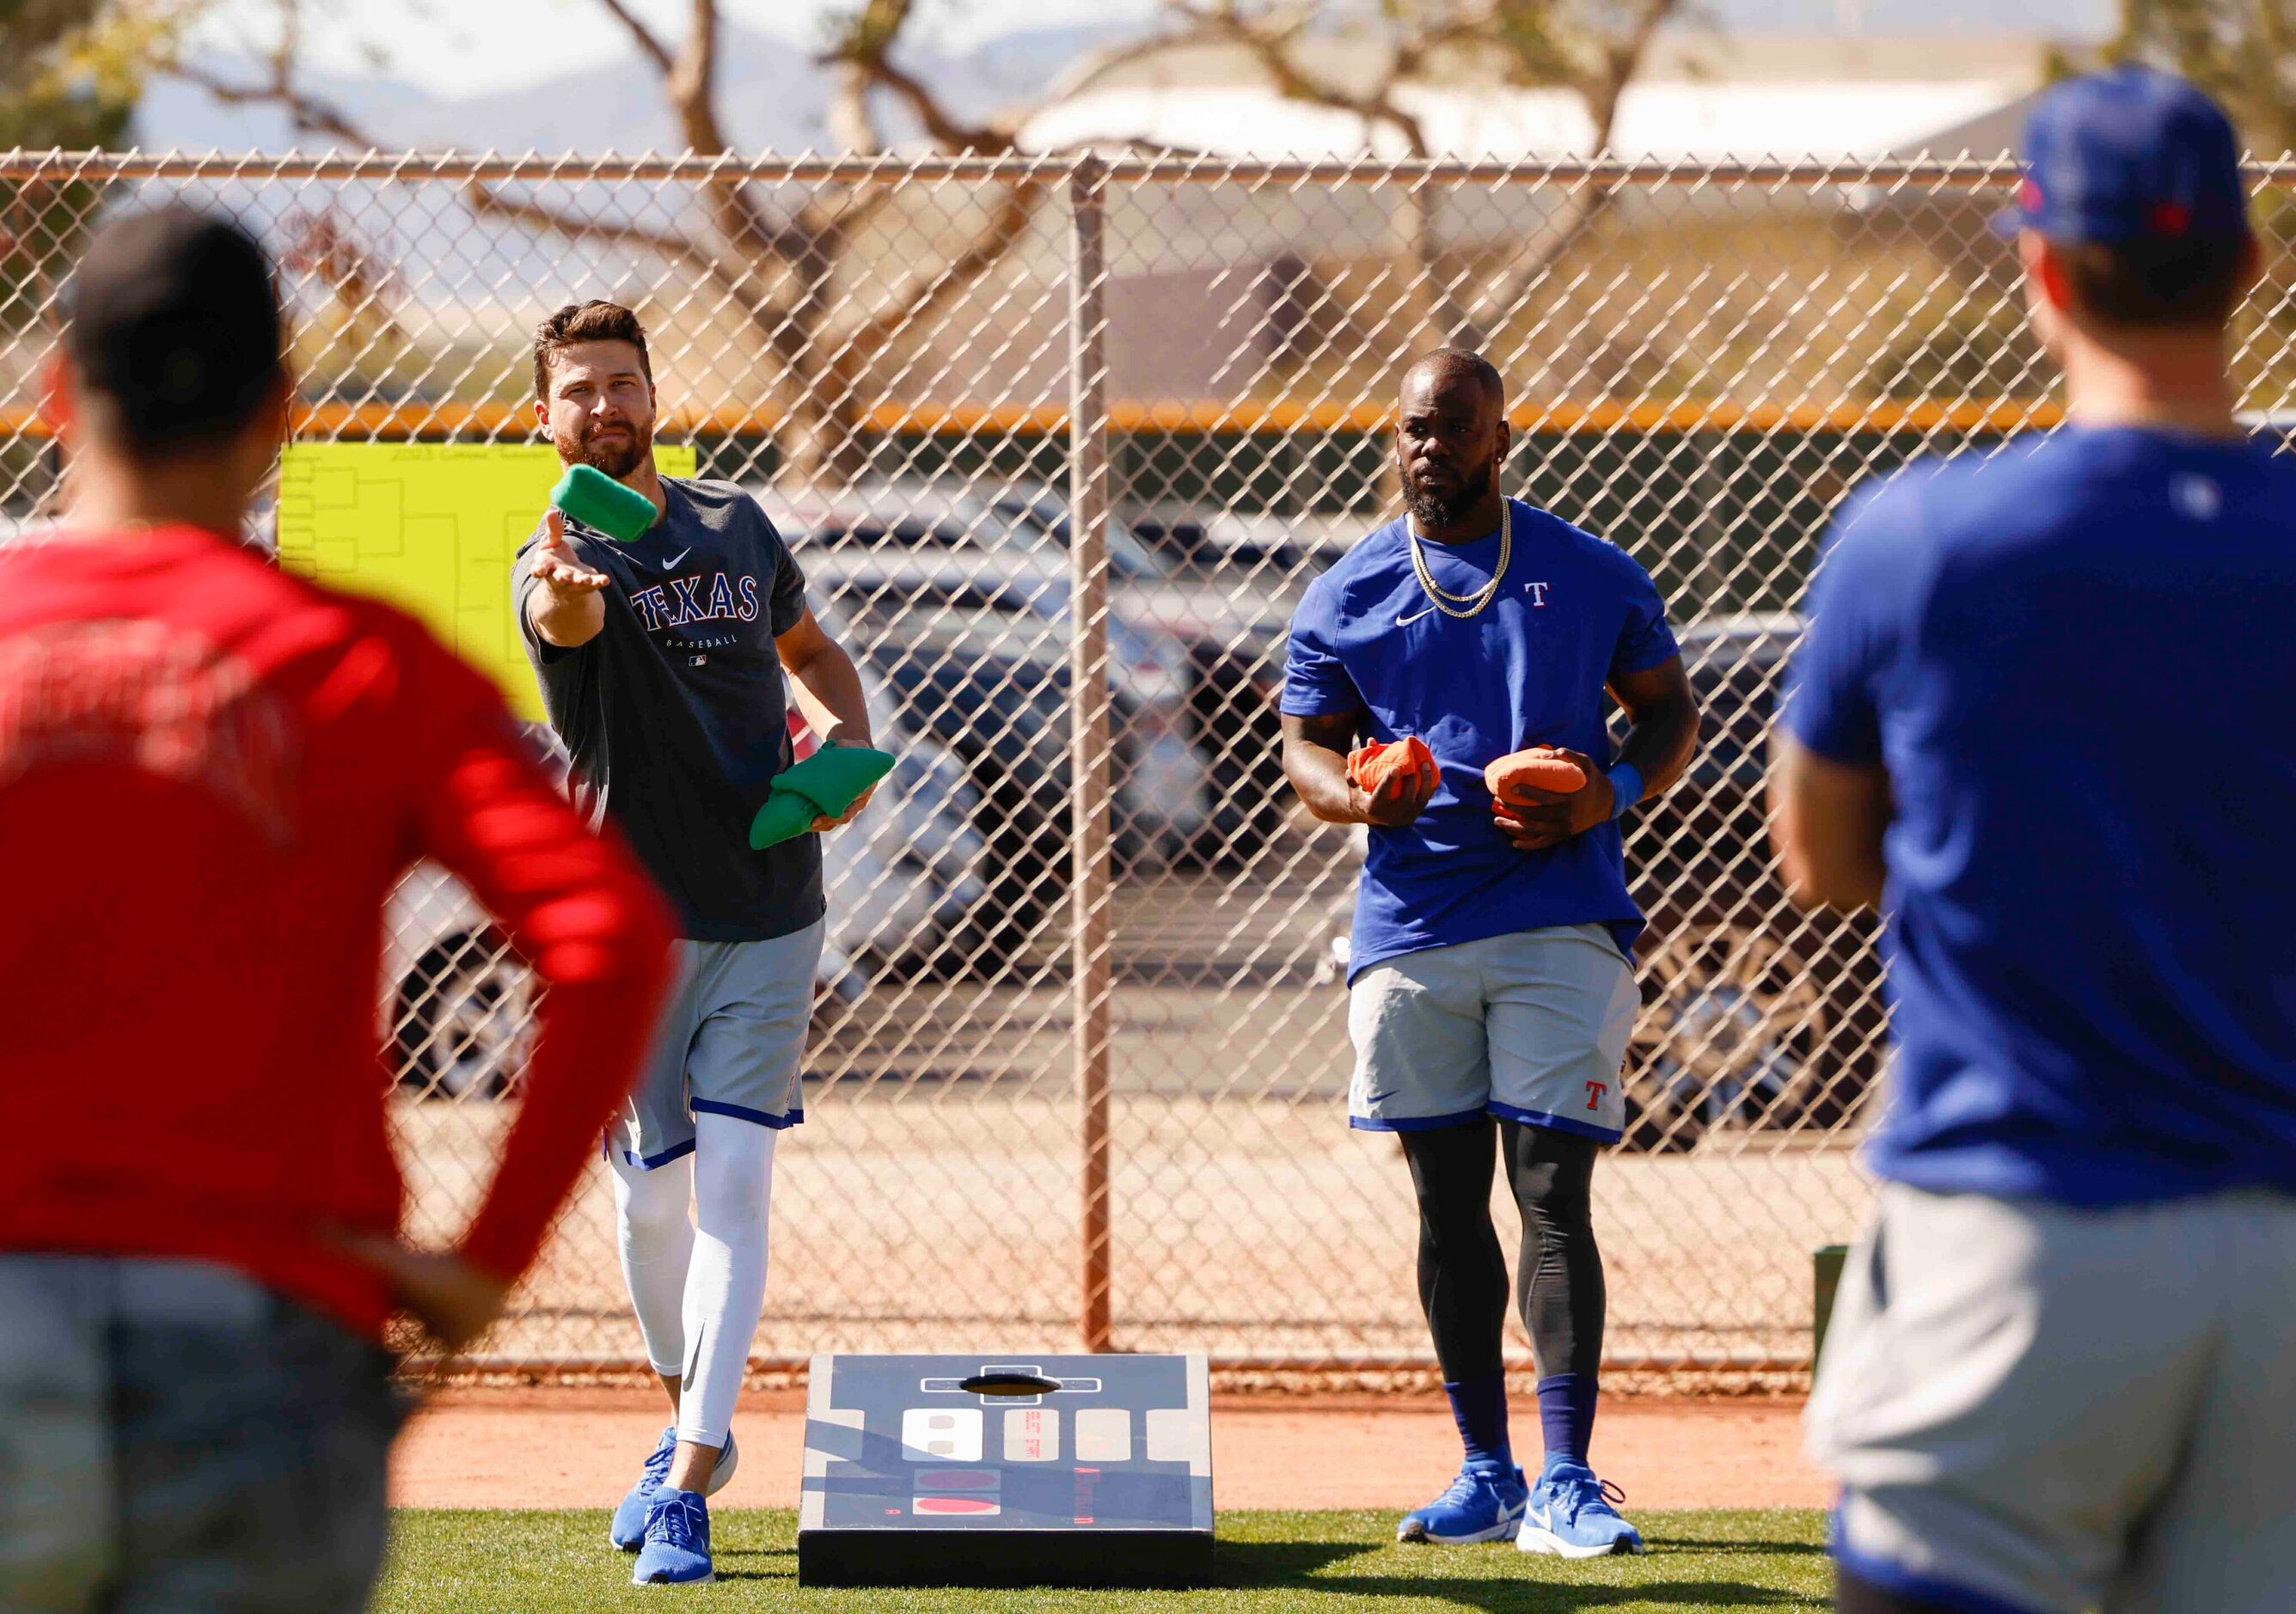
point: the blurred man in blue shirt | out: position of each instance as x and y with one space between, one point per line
2042 719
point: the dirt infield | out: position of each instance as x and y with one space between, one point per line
580 1448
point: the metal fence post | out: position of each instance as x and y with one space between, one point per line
1089 742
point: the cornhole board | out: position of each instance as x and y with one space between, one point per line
994 1470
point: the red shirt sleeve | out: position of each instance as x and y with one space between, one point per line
575 904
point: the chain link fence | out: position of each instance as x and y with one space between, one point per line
1058 443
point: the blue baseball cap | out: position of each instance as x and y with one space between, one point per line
2128 155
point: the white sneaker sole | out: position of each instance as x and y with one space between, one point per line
1535 1540
1498 1532
708 1579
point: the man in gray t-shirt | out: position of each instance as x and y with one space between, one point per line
661 663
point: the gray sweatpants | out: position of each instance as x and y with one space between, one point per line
2034 1407
176 1438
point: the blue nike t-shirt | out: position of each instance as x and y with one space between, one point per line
1571 612
2076 663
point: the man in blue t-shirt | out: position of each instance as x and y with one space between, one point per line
2042 719
1491 995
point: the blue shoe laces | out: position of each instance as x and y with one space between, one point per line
658 1462
1465 1488
673 1523
1581 1493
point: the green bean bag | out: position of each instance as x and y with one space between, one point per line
822 786
598 502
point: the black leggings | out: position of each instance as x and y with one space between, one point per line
1463 1282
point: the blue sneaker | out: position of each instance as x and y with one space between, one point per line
677 1551
1482 1504
627 1532
1572 1515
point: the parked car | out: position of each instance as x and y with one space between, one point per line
905 881
1227 631
1229 598
1754 1013
979 657
1295 546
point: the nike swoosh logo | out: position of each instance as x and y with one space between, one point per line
1407 621
1540 1517
675 558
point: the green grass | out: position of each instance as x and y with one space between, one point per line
455 1562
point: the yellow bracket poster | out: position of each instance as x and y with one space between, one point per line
431 527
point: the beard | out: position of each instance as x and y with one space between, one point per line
1431 509
616 459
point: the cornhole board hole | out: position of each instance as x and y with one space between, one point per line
993 1470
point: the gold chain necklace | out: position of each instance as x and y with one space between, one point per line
1464 606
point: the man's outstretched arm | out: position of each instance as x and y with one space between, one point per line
567 602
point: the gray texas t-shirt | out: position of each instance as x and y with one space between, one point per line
675 715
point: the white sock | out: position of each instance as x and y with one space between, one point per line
657 1244
725 1282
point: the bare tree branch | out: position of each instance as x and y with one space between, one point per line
488 202
944 130
307 113
1271 42
1571 43
1620 61
692 82
647 41
863 48
926 291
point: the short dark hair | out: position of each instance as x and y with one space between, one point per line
173 330
2156 280
1466 362
595 320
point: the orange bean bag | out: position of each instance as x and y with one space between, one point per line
1372 768
1536 768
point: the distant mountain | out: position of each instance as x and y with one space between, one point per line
775 97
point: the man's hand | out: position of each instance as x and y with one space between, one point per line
1398 800
566 609
556 567
825 823
455 1301
1547 818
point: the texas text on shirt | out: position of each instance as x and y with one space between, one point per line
676 714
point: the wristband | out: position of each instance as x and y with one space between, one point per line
1626 788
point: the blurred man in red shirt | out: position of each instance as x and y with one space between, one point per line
212 774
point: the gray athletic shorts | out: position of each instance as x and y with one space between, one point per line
731 1042
175 1436
1528 1026
2045 1410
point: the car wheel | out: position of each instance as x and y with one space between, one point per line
463 1024
1729 1033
